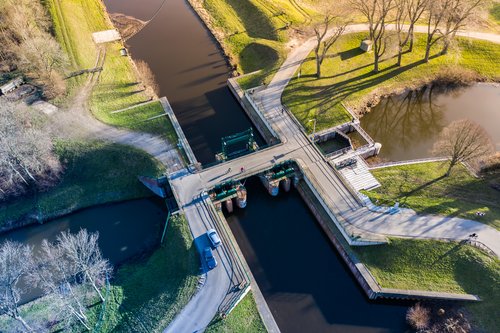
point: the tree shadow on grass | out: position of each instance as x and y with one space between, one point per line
256 56
256 23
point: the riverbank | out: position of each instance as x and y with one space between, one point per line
439 266
145 293
94 174
348 77
119 84
254 35
423 188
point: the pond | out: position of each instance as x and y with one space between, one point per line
407 125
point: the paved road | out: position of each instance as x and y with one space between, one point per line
342 203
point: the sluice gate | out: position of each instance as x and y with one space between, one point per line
280 173
236 145
226 192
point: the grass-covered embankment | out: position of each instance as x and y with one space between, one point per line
439 266
253 33
347 76
95 173
244 318
424 188
144 295
118 87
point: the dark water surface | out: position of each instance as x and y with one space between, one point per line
407 125
125 229
304 281
190 71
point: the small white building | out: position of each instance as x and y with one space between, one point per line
12 85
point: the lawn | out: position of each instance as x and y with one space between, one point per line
348 77
423 188
254 32
244 318
118 86
145 294
439 266
95 173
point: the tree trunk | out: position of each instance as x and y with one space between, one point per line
445 47
410 32
318 67
400 56
452 164
375 64
428 49
24 323
94 286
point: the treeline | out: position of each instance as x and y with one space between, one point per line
27 159
70 272
26 43
443 19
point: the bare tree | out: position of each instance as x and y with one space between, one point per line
463 141
26 151
16 260
83 253
147 77
445 18
376 12
327 33
407 13
415 9
55 277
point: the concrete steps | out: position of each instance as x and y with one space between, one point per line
358 175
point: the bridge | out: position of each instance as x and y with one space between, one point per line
358 223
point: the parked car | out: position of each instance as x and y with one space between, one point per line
209 258
214 238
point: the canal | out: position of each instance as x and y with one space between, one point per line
190 70
407 125
303 279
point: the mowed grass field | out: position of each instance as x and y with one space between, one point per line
423 188
118 86
439 266
347 76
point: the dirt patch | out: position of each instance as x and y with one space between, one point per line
126 25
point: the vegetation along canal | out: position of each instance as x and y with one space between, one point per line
407 125
302 278
190 71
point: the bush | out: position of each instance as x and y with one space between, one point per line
418 317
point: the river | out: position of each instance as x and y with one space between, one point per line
407 125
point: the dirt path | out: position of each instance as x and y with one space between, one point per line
77 121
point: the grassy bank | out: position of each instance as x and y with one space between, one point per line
348 77
439 266
145 295
118 86
253 33
244 318
95 173
423 188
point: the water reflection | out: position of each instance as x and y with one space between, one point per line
408 124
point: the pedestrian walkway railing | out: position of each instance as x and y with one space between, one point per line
408 162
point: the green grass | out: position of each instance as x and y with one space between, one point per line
439 266
254 32
348 77
422 188
495 12
118 87
146 294
244 318
95 173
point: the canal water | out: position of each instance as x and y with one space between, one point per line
304 281
190 70
407 125
125 229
